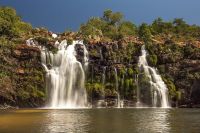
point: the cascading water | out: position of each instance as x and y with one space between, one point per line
65 76
103 81
102 102
101 55
159 89
138 91
117 89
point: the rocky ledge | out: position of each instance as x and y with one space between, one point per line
22 77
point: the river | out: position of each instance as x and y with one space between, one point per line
135 120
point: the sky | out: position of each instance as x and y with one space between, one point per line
62 15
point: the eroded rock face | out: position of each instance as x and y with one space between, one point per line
108 61
195 92
181 66
178 65
22 79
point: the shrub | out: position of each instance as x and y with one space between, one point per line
152 60
130 72
145 33
127 29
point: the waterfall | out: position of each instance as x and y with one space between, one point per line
86 55
117 89
123 81
103 81
101 55
65 76
138 91
159 89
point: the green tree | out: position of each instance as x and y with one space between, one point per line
180 26
107 15
145 33
111 32
159 26
94 26
130 72
111 26
153 59
112 18
11 24
127 28
89 30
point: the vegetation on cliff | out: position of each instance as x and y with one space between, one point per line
112 27
113 43
21 74
11 25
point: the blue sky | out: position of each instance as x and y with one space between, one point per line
60 15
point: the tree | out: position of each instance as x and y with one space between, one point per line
159 26
111 32
107 15
112 18
94 26
179 22
7 20
145 33
97 23
152 59
116 18
127 28
180 25
111 26
11 24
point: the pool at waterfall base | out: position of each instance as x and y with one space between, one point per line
126 120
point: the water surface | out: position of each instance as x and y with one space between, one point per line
148 120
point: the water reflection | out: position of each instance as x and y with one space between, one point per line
147 120
66 121
185 120
152 120
129 120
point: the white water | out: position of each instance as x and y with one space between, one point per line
160 91
54 35
138 91
119 102
101 55
103 81
65 78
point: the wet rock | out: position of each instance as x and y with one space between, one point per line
20 71
195 92
17 53
7 107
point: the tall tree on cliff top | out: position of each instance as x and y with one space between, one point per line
113 18
145 33
110 25
159 26
127 28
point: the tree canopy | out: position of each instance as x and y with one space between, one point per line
144 32
113 26
11 24
110 25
